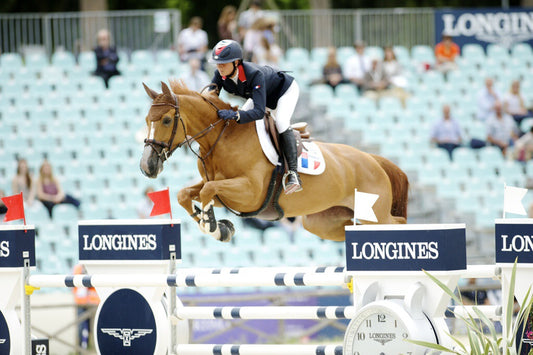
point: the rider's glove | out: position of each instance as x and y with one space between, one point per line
229 115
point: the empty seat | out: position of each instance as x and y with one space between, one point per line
63 60
11 61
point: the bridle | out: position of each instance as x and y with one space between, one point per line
166 147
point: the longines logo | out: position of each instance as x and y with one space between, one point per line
119 242
126 334
382 338
398 250
518 243
504 28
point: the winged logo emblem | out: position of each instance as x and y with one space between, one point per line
126 334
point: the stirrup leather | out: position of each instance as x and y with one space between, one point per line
285 178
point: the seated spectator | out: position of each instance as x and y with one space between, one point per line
375 80
49 190
195 79
192 41
524 146
513 103
227 23
23 182
332 70
445 53
446 132
502 130
106 57
486 100
262 28
393 68
267 53
357 65
474 296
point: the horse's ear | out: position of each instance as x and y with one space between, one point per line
166 90
150 92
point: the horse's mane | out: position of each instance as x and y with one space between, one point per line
179 87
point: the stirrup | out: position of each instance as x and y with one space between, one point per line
295 187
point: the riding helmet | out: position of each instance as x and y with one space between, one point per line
226 51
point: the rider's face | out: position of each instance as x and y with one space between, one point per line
225 69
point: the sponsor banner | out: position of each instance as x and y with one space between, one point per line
40 347
406 247
504 27
5 341
17 243
126 324
114 240
514 239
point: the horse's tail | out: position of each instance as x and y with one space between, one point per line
399 184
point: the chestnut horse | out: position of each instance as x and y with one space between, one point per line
235 171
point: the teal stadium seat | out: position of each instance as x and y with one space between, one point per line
319 55
347 92
343 53
495 51
320 94
11 61
422 54
473 51
143 59
87 61
64 60
402 54
167 57
297 57
374 52
36 60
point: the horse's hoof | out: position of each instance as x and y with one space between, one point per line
226 230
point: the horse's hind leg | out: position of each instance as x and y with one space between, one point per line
329 224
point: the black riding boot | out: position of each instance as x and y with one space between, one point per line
288 144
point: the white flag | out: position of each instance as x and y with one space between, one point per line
363 206
512 200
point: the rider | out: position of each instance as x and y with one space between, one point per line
264 87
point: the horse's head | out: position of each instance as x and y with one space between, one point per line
164 131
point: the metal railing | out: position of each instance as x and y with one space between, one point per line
379 27
76 31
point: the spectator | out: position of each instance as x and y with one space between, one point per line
106 57
227 23
85 298
445 53
446 133
196 79
376 81
332 70
249 17
23 182
513 103
357 65
144 208
267 53
486 100
49 190
393 68
502 130
474 296
192 41
262 27
524 146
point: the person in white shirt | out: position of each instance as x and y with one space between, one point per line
192 41
357 65
486 100
446 132
513 103
248 17
195 79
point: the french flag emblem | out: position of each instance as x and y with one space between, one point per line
309 163
257 86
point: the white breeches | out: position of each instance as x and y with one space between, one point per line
283 112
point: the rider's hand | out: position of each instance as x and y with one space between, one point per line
228 115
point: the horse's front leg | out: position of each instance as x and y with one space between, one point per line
236 190
186 197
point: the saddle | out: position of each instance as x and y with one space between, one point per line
270 209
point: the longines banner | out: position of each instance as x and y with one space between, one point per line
128 240
408 247
514 239
485 26
14 241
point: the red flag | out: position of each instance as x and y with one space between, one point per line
15 208
161 200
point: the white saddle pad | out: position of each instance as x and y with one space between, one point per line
310 162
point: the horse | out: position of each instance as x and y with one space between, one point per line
235 172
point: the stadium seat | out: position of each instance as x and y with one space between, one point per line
402 54
473 51
36 60
297 56
63 60
495 51
422 54
11 61
319 55
343 53
320 94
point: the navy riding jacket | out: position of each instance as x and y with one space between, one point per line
263 84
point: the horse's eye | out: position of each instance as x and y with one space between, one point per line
167 120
